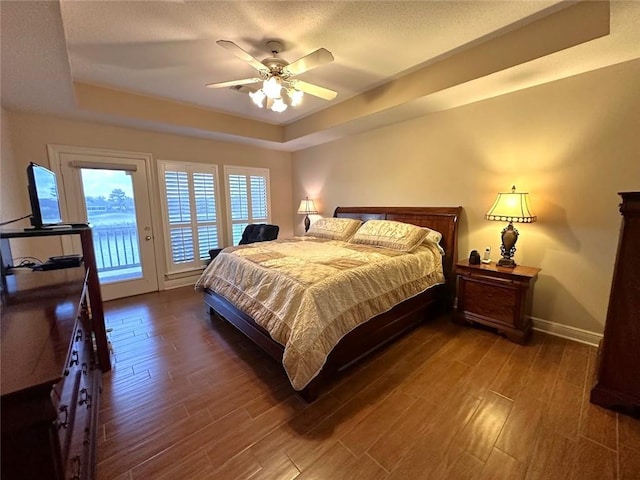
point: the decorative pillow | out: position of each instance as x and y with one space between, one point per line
390 234
432 236
334 228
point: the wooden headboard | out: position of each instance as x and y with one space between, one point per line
442 219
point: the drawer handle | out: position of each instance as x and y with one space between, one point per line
85 368
76 460
79 335
87 436
85 398
74 359
64 424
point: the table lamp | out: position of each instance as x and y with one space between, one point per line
307 208
510 207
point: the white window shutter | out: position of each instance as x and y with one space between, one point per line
177 194
259 209
248 198
182 244
190 208
205 195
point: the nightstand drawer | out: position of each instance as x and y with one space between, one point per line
497 301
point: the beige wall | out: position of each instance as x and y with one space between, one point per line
28 136
573 144
14 202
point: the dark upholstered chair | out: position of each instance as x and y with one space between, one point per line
259 232
254 232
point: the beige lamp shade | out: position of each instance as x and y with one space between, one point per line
307 207
510 207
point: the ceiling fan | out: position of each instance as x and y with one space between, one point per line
279 88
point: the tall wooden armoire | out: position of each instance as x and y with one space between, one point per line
618 376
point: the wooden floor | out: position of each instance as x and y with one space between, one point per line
190 398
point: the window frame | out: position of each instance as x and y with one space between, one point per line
190 168
248 172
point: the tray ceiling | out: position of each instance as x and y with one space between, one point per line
133 63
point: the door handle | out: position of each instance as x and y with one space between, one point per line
148 237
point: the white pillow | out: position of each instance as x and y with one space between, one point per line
390 234
432 236
334 228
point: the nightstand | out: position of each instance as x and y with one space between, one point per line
497 297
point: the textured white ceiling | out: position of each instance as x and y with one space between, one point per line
168 50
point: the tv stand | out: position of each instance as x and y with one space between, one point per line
49 227
57 226
54 351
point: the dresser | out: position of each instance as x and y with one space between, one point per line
618 373
54 351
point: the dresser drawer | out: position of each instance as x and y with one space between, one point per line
81 458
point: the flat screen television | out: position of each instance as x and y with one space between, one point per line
43 195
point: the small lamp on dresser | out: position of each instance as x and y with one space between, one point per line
510 207
307 208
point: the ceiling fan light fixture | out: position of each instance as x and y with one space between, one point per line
278 105
257 98
295 96
272 87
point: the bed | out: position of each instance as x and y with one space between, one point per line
319 363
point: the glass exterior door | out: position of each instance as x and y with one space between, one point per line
112 194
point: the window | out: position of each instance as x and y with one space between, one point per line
190 212
248 198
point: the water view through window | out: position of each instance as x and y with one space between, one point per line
109 200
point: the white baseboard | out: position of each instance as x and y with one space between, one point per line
560 330
565 331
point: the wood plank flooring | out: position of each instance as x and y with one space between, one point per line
190 397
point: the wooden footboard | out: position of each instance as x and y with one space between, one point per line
383 328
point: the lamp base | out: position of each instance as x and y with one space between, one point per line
506 262
509 238
307 223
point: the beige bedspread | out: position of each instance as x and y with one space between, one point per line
308 292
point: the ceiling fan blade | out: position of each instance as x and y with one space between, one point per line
231 83
314 90
313 60
240 53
